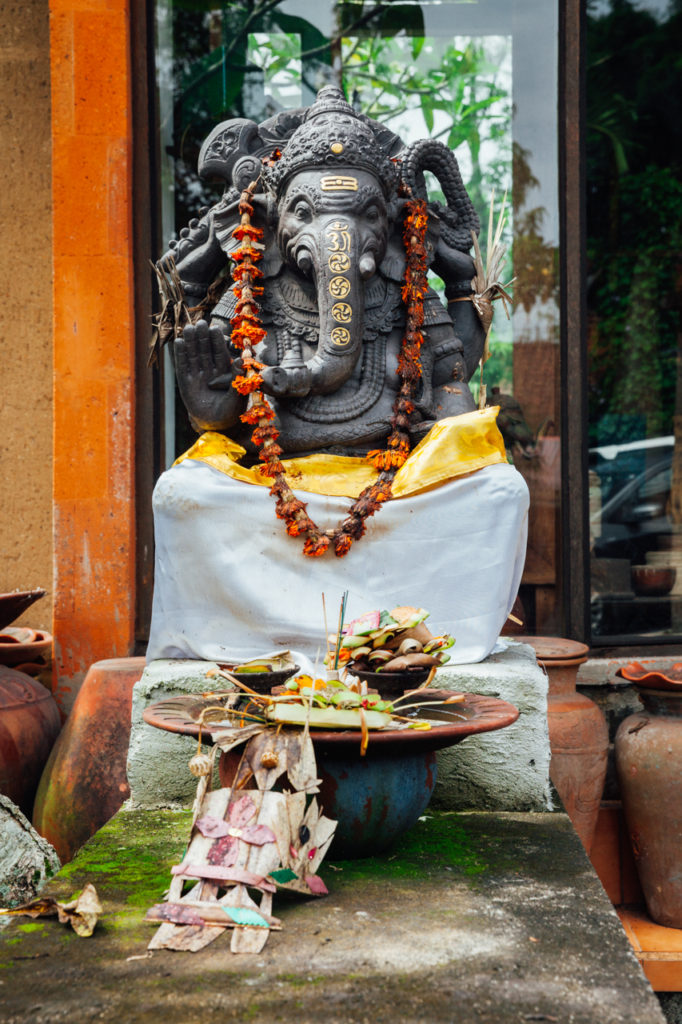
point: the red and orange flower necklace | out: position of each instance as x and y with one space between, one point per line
248 331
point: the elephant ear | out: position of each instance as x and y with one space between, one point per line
232 152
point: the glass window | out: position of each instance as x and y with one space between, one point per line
634 204
481 75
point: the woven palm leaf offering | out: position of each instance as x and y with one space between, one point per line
392 651
250 838
247 840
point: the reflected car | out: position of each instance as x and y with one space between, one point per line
635 518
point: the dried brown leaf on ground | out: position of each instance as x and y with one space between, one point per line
81 913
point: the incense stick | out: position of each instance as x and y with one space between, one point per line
326 632
342 613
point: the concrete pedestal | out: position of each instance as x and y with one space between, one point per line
505 770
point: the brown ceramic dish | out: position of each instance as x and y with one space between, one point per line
393 684
455 722
262 682
653 678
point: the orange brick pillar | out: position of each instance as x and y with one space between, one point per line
93 490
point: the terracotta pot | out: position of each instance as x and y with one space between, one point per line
578 734
27 650
649 766
29 726
84 782
653 580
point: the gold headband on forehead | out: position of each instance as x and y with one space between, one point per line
338 183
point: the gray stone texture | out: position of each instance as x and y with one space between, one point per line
27 861
509 769
157 760
474 918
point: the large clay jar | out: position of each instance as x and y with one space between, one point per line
29 726
649 766
84 782
578 734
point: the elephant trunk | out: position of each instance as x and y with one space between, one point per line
332 257
339 274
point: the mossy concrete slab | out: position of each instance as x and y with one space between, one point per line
479 917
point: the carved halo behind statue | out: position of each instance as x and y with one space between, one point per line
335 200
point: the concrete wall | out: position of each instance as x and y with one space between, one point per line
26 306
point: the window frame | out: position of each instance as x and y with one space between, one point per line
573 562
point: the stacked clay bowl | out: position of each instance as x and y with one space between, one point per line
26 650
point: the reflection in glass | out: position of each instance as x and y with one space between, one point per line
634 295
479 75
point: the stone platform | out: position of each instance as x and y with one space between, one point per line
475 918
505 770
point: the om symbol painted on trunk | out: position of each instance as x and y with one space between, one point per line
339 237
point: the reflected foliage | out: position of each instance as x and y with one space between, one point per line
634 196
453 89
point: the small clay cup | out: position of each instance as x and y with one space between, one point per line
653 580
263 682
390 685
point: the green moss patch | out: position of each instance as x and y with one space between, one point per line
438 842
130 858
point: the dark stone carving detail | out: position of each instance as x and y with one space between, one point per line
332 213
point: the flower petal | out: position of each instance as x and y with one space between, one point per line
212 827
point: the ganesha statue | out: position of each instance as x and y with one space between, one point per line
322 370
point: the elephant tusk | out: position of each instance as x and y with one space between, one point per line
367 266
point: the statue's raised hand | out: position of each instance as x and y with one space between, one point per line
205 371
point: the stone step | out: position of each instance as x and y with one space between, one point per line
473 917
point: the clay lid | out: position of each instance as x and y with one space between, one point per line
655 678
554 648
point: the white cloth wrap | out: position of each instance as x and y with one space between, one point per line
230 584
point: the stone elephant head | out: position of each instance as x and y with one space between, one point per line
331 185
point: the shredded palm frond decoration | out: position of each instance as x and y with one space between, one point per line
486 282
174 315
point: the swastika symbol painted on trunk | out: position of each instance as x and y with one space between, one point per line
340 336
339 287
339 262
342 312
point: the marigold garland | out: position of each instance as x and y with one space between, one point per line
248 331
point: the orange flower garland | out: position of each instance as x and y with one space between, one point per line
248 331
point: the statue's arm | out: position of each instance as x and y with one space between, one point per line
205 370
198 256
469 328
450 394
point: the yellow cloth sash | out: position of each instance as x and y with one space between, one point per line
453 447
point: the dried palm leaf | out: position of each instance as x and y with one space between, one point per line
486 281
174 315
